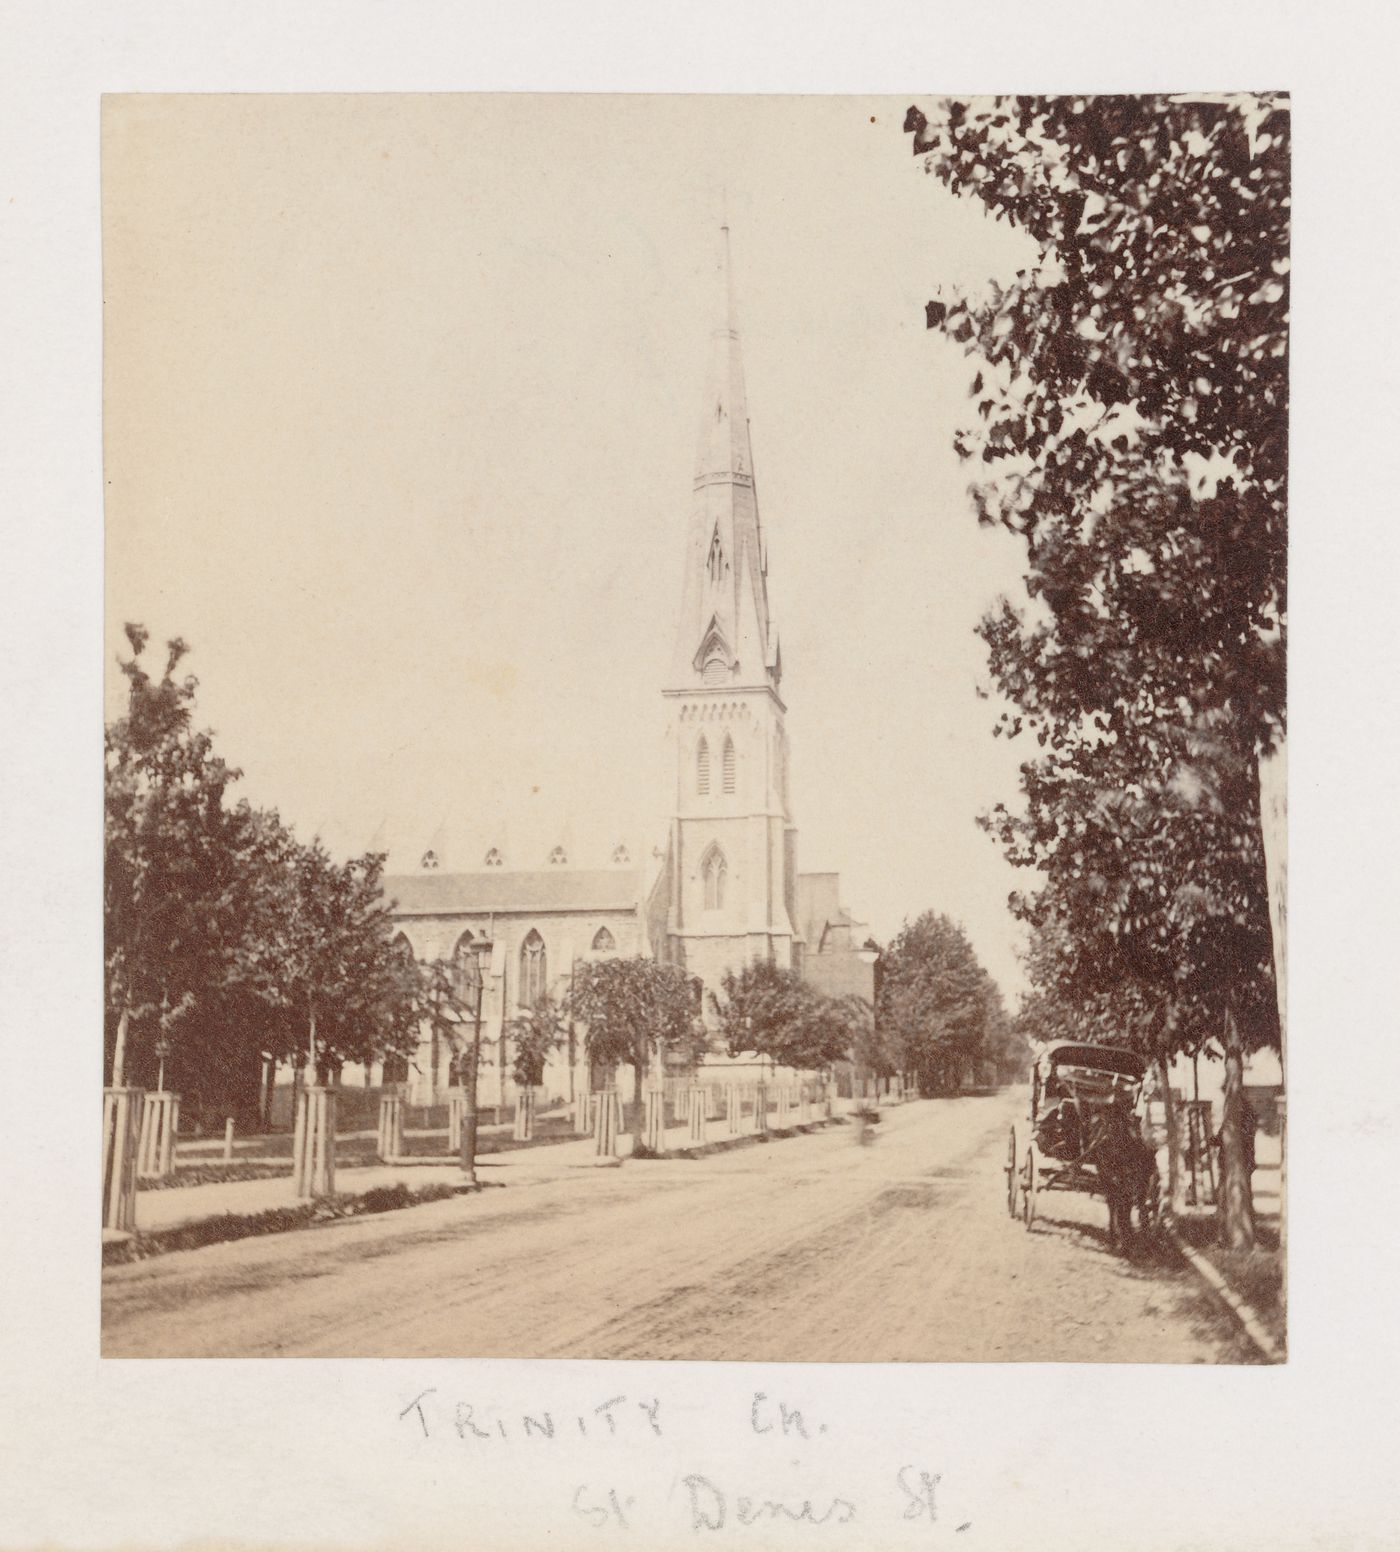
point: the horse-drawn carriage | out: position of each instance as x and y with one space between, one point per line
1085 1134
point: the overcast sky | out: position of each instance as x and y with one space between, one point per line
401 412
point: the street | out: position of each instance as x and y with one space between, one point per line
809 1249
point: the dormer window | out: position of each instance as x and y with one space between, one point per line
558 857
713 658
430 861
494 858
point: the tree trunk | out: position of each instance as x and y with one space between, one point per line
639 1105
298 1082
1176 1184
1237 1229
470 1118
269 1092
243 1101
119 1053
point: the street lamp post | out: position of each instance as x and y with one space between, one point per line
467 984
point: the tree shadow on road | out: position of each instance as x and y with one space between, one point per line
1148 1252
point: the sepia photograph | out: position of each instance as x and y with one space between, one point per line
695 727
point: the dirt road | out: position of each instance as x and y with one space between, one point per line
808 1249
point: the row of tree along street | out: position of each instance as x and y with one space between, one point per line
1129 426
232 947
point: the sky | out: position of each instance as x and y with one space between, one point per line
400 415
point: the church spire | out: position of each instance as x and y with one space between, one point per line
725 636
724 422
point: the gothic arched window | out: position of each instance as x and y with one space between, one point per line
430 861
603 941
620 853
558 856
715 870
727 766
466 970
715 563
404 949
702 768
533 969
494 858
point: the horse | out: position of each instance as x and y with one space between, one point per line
1127 1173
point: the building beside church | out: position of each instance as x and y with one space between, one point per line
720 888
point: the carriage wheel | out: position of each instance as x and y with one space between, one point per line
1011 1174
1028 1190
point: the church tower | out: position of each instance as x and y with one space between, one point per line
733 847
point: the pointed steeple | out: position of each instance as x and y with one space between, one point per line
724 421
724 633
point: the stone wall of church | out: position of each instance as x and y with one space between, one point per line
567 938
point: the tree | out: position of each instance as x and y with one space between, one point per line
1131 422
335 964
871 1049
937 1006
450 1002
227 941
534 1035
775 1013
634 1010
168 886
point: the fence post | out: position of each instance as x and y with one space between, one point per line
656 1119
732 1107
760 1107
524 1129
121 1130
456 1117
160 1116
697 1106
390 1141
313 1143
784 1106
605 1124
228 1140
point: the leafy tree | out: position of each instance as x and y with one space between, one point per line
1131 427
871 1050
534 1034
334 961
774 1012
168 886
635 1010
937 1006
227 942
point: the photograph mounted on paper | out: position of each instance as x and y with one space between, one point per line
516 945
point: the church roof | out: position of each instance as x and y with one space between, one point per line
506 892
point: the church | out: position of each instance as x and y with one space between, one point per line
721 887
